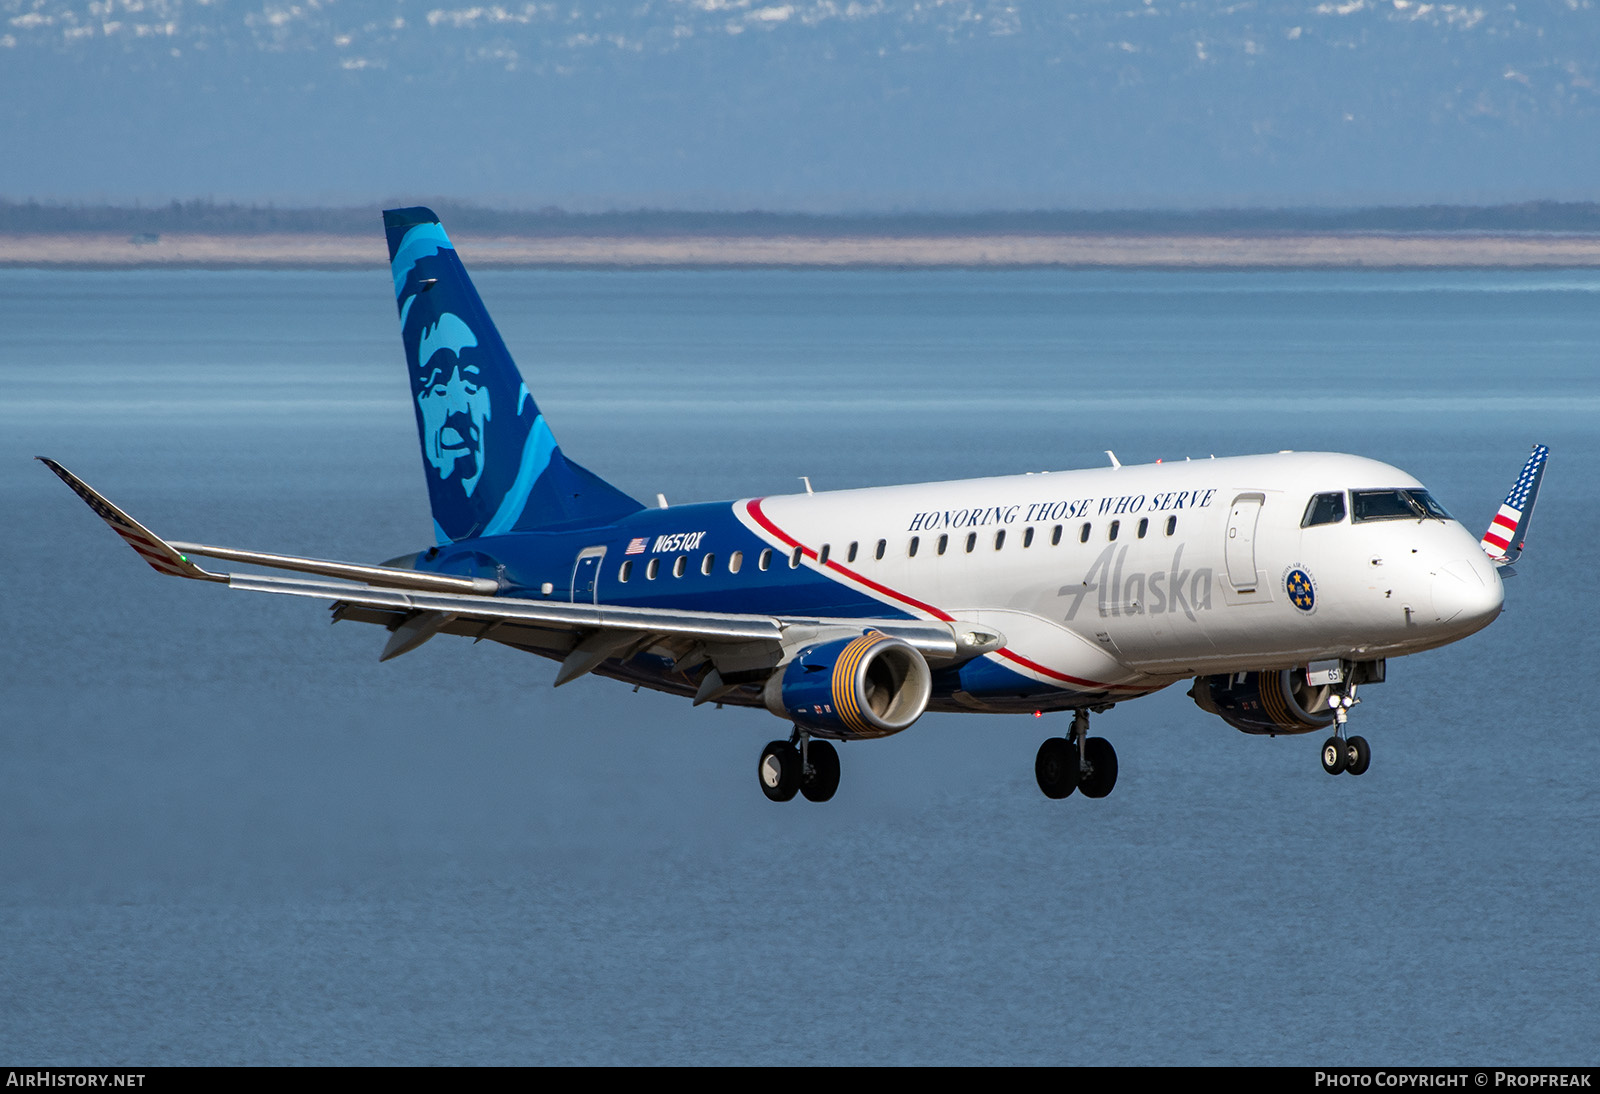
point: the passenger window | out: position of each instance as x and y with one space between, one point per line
1144 526
1055 536
1111 533
1324 509
680 565
735 561
1172 524
1027 536
850 555
999 539
762 563
794 559
822 556
708 563
972 541
1083 536
883 545
627 568
911 551
944 541
651 569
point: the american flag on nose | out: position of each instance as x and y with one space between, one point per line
1510 523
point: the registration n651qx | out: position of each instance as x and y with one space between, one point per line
1279 584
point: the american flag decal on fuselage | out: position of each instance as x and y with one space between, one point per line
1511 522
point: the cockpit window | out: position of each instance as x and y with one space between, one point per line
1433 508
1324 509
1394 505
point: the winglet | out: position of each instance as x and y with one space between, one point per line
1508 532
152 548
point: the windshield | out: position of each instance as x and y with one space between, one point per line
1368 505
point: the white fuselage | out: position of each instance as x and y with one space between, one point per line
1136 576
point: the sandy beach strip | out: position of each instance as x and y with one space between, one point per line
1323 250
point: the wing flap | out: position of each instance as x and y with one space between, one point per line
556 614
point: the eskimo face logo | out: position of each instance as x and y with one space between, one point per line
453 401
1301 589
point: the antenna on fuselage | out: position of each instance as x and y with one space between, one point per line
1112 456
807 480
661 501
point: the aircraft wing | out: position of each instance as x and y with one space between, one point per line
414 606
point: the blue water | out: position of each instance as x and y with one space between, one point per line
227 834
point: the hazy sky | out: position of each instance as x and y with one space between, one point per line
814 104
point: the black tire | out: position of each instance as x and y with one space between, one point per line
824 779
1102 774
1056 768
1334 756
1358 757
779 771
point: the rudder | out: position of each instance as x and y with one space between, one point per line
492 464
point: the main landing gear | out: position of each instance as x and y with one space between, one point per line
1076 762
1341 753
799 766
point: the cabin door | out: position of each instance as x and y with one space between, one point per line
1240 550
586 575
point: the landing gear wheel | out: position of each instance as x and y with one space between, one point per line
1358 757
1101 760
1334 756
1056 767
820 785
780 771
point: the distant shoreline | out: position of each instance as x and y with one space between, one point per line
1279 250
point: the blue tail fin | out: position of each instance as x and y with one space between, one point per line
492 464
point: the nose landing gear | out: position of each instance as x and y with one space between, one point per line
1341 753
1076 762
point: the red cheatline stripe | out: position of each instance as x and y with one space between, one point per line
754 509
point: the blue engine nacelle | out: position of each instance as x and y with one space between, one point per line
1265 702
851 688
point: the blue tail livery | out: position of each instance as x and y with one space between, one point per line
493 465
849 614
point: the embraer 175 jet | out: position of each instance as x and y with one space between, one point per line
1279 583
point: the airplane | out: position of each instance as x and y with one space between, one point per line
1278 584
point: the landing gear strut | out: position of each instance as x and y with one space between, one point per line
799 765
1076 762
1341 753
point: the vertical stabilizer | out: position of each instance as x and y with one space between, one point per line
493 465
1508 531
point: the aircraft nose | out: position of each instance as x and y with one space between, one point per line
1467 593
